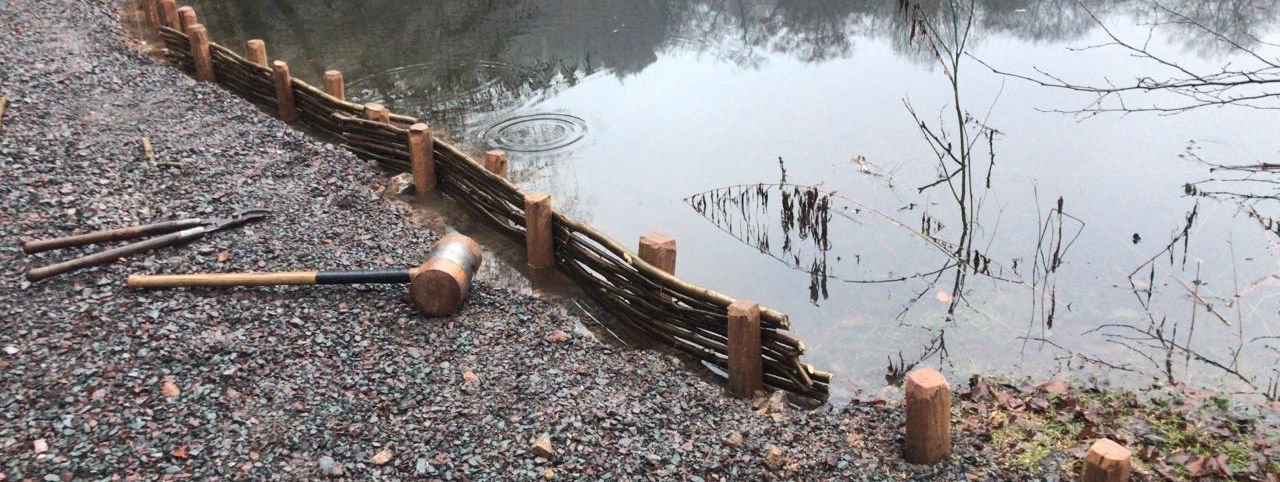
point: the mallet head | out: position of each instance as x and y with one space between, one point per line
439 285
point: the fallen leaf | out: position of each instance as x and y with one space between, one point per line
469 376
1054 387
180 453
169 389
944 297
557 336
224 256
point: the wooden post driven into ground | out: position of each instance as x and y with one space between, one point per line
746 365
256 51
333 85
284 90
1106 461
186 18
928 412
198 37
537 230
169 14
151 10
377 113
496 162
659 250
421 158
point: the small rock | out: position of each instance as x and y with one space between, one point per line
420 466
549 474
469 376
381 458
733 440
542 447
557 336
11 350
326 463
40 446
400 184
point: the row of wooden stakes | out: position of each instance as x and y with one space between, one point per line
928 435
745 362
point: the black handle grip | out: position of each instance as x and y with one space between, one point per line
390 276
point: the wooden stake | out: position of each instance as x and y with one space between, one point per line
186 18
1106 461
928 410
4 103
746 374
284 90
198 37
377 113
256 51
333 84
496 162
146 148
659 250
150 10
169 14
420 154
537 230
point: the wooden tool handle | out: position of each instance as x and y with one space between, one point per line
110 255
222 279
40 245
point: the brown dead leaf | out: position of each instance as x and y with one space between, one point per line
180 453
169 389
1054 387
224 256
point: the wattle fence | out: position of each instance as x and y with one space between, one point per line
696 321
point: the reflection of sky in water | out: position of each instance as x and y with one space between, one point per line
685 98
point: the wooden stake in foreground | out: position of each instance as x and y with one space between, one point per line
928 410
284 90
422 160
4 103
537 230
198 37
746 372
496 162
377 113
659 250
1106 461
256 51
437 286
333 84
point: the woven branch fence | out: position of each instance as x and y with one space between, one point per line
692 319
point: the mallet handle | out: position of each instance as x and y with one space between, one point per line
400 276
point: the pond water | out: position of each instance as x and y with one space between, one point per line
799 153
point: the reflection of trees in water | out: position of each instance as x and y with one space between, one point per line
447 59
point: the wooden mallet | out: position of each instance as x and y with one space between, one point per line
437 286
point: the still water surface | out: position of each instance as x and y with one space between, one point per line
776 141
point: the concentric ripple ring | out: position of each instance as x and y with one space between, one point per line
536 132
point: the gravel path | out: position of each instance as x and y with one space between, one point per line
101 382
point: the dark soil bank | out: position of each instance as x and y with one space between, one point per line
101 382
